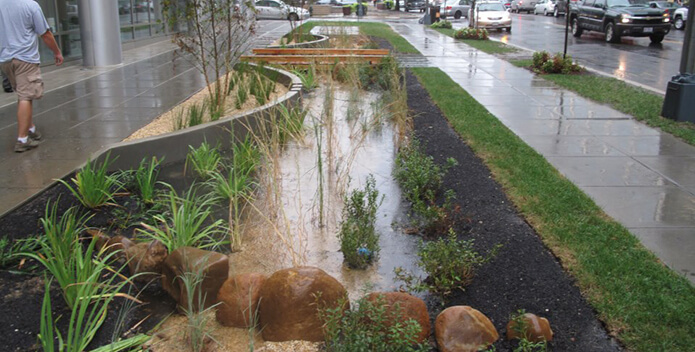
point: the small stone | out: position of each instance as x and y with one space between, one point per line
463 329
290 300
407 306
239 297
537 329
213 266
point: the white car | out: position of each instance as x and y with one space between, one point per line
455 8
546 7
679 17
491 15
276 9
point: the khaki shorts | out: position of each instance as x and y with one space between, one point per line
25 79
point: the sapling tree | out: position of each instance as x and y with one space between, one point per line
218 34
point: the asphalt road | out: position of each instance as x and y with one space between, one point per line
635 59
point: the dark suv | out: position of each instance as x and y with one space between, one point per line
619 18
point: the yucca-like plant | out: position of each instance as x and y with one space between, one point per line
63 255
93 186
186 223
196 114
205 160
308 77
146 178
245 156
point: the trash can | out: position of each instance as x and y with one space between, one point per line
434 13
679 103
347 10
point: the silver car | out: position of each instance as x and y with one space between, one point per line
523 5
276 9
455 8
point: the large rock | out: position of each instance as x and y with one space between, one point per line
536 329
463 329
146 259
401 307
213 267
290 300
239 298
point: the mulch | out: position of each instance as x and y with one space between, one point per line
524 274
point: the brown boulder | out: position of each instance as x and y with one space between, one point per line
212 266
239 298
463 329
536 329
110 244
402 306
290 299
146 259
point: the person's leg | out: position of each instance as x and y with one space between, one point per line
24 118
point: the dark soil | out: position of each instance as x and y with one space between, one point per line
524 274
22 293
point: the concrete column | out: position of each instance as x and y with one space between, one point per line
100 32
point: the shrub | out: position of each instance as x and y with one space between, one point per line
442 24
359 242
471 33
420 179
544 63
366 329
93 186
449 263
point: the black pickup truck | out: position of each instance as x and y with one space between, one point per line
619 18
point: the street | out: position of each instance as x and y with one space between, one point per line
634 59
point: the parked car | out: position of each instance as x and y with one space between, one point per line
618 18
490 15
329 2
419 5
679 17
546 7
560 8
455 8
523 5
668 7
276 9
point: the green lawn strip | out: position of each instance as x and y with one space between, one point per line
488 46
637 102
646 304
374 29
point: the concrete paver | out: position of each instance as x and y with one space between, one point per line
640 176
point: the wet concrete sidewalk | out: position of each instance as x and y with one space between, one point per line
641 177
85 110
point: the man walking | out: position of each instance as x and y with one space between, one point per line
21 22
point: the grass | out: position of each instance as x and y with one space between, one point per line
94 187
380 30
642 104
647 305
488 46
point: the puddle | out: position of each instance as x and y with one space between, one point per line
356 142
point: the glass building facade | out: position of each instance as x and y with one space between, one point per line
138 20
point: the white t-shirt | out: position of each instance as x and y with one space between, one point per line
21 22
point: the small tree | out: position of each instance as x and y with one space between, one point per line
217 34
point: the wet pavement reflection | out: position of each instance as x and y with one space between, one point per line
641 177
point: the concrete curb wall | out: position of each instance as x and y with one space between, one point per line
321 41
173 147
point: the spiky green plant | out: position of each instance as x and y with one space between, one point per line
146 178
205 160
187 223
197 316
93 186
